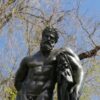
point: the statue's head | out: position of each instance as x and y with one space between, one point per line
49 39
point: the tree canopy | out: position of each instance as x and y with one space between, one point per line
21 25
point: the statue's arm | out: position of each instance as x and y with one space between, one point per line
21 74
63 68
77 71
71 69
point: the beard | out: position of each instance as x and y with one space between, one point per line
47 47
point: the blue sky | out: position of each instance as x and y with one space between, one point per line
90 7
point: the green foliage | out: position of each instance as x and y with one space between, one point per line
10 1
11 93
91 83
26 20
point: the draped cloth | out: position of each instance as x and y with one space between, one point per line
65 79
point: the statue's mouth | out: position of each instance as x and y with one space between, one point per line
47 46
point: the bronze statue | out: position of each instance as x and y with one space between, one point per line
69 75
37 75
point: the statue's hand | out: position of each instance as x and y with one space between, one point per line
67 74
75 90
63 66
61 61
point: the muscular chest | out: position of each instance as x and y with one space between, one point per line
41 69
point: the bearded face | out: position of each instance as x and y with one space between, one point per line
48 42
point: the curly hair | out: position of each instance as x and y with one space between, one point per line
51 31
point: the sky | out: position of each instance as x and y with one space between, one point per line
89 7
92 8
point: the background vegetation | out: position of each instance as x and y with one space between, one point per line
21 25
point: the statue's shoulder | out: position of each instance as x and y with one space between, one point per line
34 60
55 52
65 49
58 51
69 52
30 57
24 60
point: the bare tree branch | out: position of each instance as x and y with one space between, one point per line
84 28
6 18
90 53
6 5
32 15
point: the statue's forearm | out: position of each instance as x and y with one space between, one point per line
21 74
78 79
75 66
19 79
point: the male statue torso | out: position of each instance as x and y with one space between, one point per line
41 78
37 74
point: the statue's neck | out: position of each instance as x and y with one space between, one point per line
45 53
